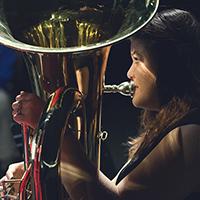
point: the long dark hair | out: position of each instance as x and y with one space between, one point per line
172 39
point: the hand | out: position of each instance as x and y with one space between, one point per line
27 109
15 171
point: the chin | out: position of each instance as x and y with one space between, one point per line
141 104
136 103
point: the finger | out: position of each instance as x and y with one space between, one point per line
19 118
9 174
15 105
22 103
1 188
14 112
24 96
23 119
3 179
19 97
17 108
21 111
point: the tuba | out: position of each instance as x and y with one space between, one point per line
65 45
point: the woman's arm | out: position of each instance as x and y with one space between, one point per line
80 177
162 175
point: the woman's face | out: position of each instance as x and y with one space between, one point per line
144 77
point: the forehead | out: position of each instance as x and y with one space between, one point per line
139 47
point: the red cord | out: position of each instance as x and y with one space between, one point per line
36 170
25 135
56 96
24 182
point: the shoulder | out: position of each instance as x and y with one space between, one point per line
190 129
179 139
182 135
186 138
190 141
169 169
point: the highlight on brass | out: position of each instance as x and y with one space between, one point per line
125 88
66 44
67 26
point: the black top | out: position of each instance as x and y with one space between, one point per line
193 117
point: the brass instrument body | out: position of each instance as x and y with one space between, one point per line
66 44
77 72
59 118
82 72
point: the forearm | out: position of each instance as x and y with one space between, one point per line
79 176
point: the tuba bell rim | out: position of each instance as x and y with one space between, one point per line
23 47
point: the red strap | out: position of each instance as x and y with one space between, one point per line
56 96
36 174
25 135
24 183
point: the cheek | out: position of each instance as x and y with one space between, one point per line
146 92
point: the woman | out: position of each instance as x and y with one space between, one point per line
164 160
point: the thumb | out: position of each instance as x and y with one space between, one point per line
9 174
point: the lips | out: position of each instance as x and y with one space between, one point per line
132 88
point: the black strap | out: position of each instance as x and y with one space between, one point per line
193 117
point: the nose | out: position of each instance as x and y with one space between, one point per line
130 73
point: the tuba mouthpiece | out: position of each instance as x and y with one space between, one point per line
125 88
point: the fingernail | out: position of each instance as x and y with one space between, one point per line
18 97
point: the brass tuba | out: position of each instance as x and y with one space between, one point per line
66 45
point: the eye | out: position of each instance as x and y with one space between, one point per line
135 58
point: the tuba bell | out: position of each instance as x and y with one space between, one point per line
65 45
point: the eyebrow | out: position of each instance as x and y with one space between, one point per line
137 53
